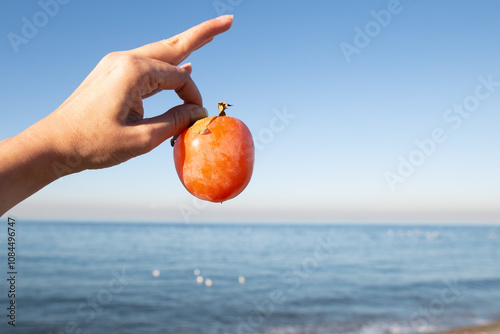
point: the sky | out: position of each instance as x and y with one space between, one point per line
361 111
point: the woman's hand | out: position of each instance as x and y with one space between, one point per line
102 123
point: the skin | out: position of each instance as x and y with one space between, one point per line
102 123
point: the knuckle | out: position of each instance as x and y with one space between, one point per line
173 41
183 80
178 43
111 57
128 61
179 120
125 66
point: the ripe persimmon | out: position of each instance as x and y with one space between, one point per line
214 157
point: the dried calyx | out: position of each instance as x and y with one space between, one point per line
223 106
201 125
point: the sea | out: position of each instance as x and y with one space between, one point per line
90 277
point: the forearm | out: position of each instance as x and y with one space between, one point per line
27 164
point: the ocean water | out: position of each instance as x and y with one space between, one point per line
167 278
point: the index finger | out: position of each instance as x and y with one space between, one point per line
175 49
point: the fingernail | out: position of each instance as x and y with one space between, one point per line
197 113
225 17
188 67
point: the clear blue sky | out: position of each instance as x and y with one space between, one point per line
360 81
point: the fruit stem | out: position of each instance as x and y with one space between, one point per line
223 106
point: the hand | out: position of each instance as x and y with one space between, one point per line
102 123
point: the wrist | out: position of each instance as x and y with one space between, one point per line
25 168
52 148
32 159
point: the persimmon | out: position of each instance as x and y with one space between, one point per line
214 157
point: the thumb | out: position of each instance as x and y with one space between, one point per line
170 123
